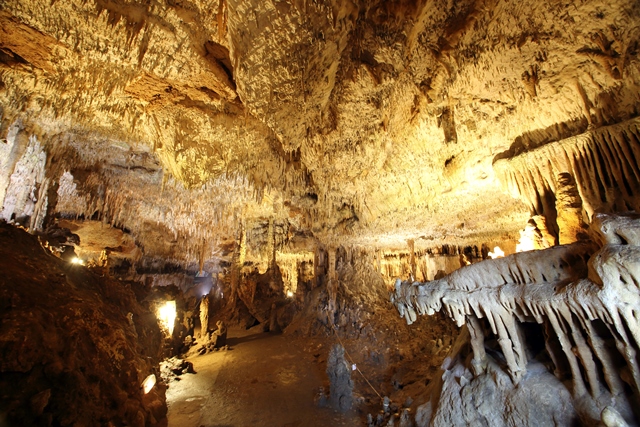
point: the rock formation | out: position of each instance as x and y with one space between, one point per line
292 158
586 300
341 385
366 122
76 347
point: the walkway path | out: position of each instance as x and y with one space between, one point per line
263 380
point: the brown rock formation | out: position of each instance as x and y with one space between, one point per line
571 228
75 346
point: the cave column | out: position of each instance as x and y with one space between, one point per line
569 209
579 387
509 342
271 236
316 267
583 351
624 345
237 262
608 366
201 256
479 363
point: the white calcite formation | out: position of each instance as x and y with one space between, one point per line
25 193
586 296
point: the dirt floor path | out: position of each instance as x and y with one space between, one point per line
263 380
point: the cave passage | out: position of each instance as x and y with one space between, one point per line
261 380
259 213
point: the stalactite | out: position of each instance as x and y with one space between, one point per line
554 287
605 164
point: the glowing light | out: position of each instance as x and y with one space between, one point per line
167 315
289 294
77 261
497 253
148 383
526 242
525 245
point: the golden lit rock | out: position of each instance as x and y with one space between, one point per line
281 163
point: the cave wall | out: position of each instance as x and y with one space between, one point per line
76 345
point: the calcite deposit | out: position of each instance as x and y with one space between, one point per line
357 122
585 299
292 158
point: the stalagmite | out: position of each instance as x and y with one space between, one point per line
204 316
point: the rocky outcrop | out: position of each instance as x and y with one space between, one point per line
76 346
585 299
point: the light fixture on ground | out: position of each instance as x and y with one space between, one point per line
148 383
167 315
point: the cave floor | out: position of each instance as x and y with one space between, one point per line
262 380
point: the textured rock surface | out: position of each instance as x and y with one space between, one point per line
340 383
75 346
369 122
586 303
308 152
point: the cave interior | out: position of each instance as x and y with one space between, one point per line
319 212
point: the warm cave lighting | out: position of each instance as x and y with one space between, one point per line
167 315
497 253
289 294
524 245
77 261
148 383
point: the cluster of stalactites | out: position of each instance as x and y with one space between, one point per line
194 218
566 288
605 164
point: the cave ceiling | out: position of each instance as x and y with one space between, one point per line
189 123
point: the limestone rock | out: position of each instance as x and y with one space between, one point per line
568 290
340 382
